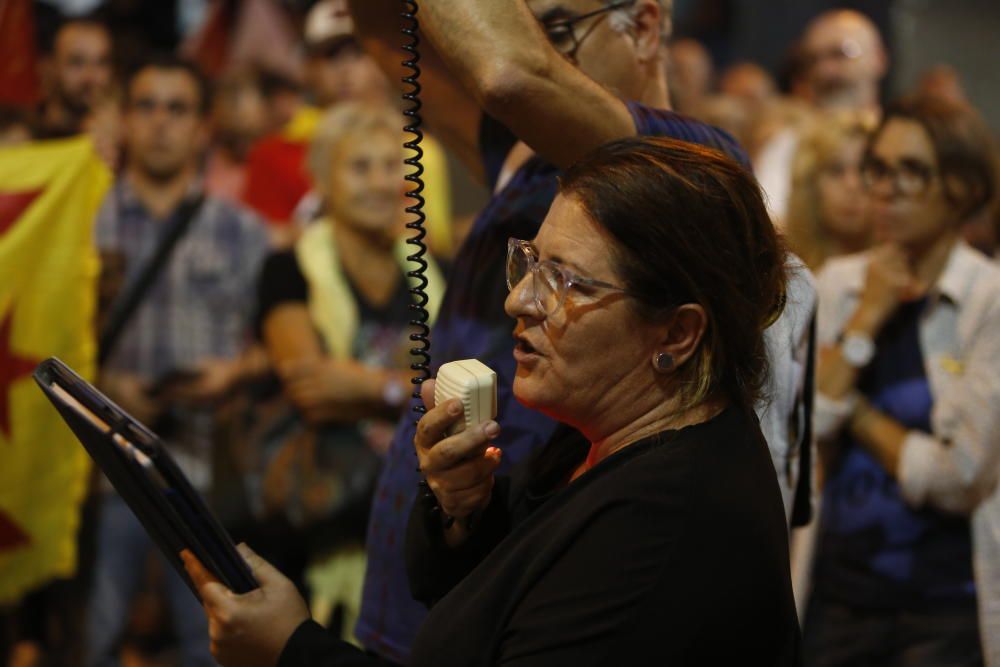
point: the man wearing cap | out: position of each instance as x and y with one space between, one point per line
336 67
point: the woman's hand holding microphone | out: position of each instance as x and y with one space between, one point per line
458 468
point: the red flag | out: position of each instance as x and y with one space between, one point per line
18 56
209 46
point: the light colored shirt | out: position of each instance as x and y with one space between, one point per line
782 412
955 467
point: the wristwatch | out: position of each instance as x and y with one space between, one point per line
394 393
857 348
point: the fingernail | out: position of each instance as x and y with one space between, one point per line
455 408
492 429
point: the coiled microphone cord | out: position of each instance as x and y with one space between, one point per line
420 352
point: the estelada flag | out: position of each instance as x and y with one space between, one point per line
49 195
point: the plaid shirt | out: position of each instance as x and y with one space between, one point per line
200 306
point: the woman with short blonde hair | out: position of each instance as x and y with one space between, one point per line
827 209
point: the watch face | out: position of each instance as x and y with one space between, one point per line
857 350
394 394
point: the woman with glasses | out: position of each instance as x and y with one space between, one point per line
908 409
652 534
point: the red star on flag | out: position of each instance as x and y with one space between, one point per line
12 368
12 205
11 535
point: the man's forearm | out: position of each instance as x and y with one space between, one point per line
471 37
481 41
377 23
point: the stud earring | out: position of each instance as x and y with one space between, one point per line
664 362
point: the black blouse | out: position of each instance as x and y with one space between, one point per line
673 551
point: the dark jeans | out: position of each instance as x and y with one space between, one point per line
122 548
836 634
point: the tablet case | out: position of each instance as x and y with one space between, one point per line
137 464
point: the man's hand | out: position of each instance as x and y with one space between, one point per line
459 469
214 379
130 392
248 630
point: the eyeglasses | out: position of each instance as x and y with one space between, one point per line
562 34
909 178
848 49
345 46
550 281
174 108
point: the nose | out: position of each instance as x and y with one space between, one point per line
386 179
882 189
520 302
852 179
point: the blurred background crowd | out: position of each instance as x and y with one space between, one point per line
272 346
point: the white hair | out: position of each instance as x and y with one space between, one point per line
623 20
346 119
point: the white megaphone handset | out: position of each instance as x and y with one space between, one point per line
472 382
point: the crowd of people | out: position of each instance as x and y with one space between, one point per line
756 332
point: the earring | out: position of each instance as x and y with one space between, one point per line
664 362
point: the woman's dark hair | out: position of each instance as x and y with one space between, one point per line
691 227
963 145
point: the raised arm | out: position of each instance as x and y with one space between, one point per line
500 53
501 56
450 111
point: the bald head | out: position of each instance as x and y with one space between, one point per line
843 60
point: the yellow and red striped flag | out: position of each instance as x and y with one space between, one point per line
49 195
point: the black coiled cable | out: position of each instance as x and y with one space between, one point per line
421 337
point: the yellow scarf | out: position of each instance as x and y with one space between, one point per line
331 304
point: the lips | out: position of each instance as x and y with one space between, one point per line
524 350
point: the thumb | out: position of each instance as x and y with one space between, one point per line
427 393
263 572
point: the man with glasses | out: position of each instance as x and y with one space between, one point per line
185 345
518 90
841 61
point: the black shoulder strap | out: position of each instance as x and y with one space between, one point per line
802 509
125 306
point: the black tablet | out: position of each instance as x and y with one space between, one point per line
137 464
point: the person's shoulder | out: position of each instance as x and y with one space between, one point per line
973 280
673 458
843 273
651 121
280 263
982 269
800 292
235 218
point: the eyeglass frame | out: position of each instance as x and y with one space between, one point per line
926 173
567 278
848 49
570 22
